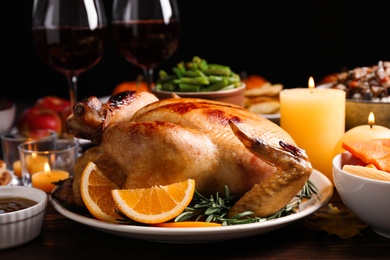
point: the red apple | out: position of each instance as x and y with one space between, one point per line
64 115
54 103
33 120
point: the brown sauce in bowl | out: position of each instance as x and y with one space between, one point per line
13 204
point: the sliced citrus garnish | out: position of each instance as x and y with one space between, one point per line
96 194
156 204
187 224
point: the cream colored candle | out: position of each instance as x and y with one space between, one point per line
315 118
363 132
44 180
35 163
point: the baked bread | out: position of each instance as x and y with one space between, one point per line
5 176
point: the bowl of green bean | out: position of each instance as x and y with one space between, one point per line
200 79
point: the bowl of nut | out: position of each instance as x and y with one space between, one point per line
200 79
367 90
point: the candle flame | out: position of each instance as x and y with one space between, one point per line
46 167
371 119
311 83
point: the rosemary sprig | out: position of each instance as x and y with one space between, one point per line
215 209
209 210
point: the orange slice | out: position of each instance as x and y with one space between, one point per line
96 194
156 204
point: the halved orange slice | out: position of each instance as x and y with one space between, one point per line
156 204
96 194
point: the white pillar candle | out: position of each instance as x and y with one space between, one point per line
315 118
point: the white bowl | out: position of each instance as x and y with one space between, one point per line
21 226
7 115
367 198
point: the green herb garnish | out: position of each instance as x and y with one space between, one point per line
215 209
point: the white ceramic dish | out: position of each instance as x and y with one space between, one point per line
7 117
206 235
367 198
22 226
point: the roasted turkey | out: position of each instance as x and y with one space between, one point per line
142 141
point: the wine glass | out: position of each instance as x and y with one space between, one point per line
70 36
146 32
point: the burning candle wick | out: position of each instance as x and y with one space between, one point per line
371 119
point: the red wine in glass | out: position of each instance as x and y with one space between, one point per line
70 50
146 43
69 36
146 32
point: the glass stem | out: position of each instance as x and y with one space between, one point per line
72 81
149 78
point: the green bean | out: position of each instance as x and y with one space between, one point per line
194 73
203 65
217 71
177 72
216 86
166 87
213 78
181 67
233 79
162 74
195 80
189 87
196 59
217 66
167 79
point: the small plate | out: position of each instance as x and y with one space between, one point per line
207 234
273 117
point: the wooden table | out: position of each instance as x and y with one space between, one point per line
62 238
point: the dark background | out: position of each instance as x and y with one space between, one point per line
283 41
